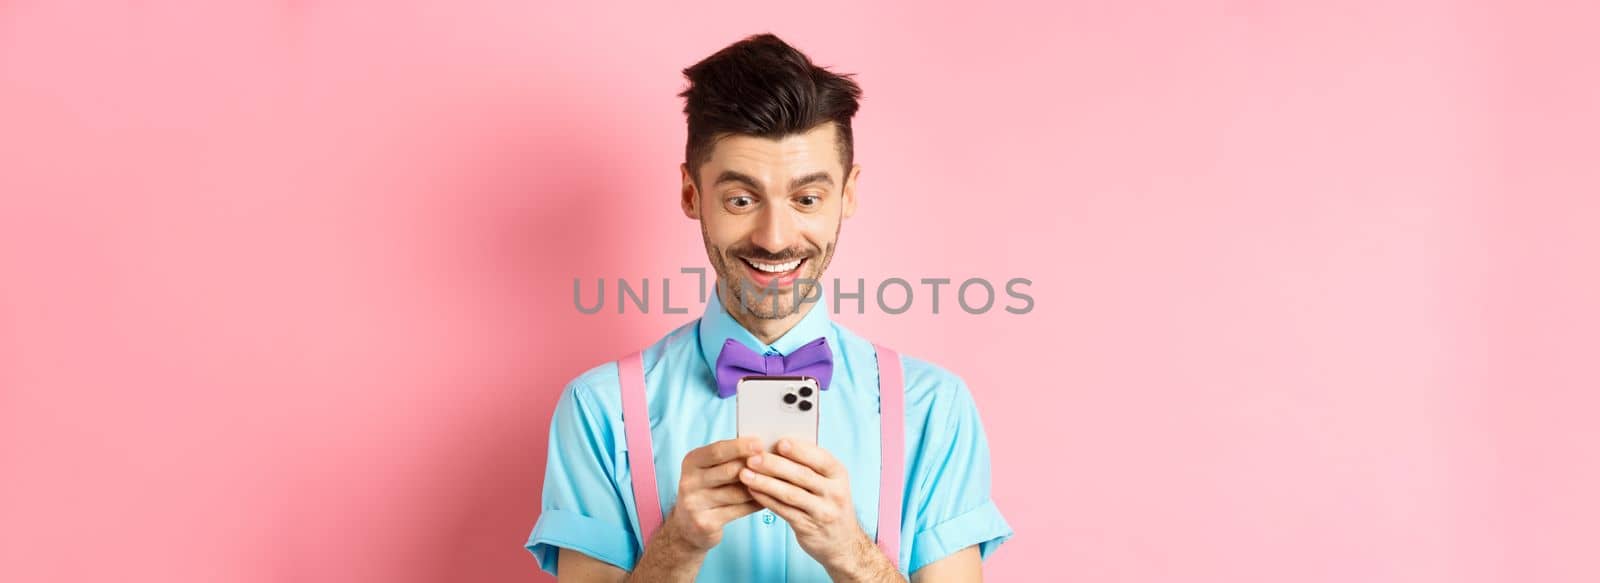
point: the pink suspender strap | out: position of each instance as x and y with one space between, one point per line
641 456
891 413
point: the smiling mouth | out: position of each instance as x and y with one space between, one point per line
767 273
774 268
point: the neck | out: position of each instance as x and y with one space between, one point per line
764 329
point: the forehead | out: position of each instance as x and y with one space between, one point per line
775 160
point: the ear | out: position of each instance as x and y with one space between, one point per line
690 194
849 195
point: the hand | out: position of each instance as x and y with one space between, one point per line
809 488
709 493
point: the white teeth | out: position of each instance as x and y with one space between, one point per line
774 267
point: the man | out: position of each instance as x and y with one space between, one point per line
769 173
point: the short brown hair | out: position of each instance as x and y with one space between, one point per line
762 87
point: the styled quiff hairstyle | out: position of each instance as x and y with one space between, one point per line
762 87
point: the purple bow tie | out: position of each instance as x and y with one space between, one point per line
737 361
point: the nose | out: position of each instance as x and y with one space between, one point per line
776 229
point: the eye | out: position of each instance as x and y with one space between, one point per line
809 200
741 201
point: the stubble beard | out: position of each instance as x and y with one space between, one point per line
759 301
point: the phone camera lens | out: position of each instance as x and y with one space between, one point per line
805 405
789 398
805 391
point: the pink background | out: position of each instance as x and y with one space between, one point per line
285 288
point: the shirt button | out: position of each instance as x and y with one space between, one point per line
767 517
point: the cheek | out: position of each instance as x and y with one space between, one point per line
819 230
723 231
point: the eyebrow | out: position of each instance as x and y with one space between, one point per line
745 179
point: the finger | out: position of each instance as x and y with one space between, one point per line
780 490
714 497
726 514
786 469
725 495
811 456
722 451
789 513
727 473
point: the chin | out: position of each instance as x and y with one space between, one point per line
761 306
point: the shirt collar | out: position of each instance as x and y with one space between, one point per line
716 326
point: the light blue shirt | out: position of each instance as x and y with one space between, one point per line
588 503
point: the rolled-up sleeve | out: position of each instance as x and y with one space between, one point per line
583 507
951 485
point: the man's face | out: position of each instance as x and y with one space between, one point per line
770 212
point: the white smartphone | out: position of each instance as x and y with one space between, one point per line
775 407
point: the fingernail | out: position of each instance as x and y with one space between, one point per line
747 475
783 446
755 460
